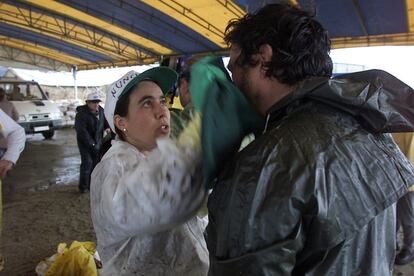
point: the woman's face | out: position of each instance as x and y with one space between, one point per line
148 117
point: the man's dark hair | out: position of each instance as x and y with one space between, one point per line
300 44
186 75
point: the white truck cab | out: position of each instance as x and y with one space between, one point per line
37 114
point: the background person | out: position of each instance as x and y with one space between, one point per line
144 188
7 106
16 95
16 138
185 95
11 111
90 125
315 194
180 118
405 205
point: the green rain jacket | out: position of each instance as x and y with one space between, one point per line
315 193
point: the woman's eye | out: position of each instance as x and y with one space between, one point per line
163 101
146 104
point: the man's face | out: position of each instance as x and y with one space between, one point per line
185 97
243 76
93 106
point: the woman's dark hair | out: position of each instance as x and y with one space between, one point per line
121 109
300 44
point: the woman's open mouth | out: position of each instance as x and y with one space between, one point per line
164 129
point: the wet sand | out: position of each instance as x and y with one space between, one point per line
42 205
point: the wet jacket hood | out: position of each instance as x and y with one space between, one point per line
376 98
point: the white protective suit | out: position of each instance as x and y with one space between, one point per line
139 205
12 137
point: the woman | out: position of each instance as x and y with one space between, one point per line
144 188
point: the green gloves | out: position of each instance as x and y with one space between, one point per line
226 115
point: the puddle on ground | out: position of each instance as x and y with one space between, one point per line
67 171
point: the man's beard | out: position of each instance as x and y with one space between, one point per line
245 87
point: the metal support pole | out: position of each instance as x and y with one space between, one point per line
74 70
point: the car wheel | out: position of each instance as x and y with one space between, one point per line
48 134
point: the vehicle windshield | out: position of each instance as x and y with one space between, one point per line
23 91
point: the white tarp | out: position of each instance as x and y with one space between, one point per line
89 78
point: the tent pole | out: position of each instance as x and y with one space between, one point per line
74 81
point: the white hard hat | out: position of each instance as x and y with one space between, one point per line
94 96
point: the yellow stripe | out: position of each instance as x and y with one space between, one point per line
40 50
401 39
62 30
410 15
80 16
206 17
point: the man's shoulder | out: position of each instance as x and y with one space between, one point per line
310 131
314 118
82 108
83 112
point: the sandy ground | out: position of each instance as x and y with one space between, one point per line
42 205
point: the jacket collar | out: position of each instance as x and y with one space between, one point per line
280 108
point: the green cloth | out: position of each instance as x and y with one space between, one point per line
226 115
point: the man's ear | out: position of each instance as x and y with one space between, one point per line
265 53
119 122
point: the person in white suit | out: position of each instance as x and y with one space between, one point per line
144 192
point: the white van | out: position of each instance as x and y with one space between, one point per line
37 114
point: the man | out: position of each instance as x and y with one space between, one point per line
16 95
15 138
315 193
11 111
90 125
7 106
180 118
185 96
405 206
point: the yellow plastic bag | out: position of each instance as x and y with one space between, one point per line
77 260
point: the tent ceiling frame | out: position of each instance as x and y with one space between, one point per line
40 50
72 32
16 55
143 44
